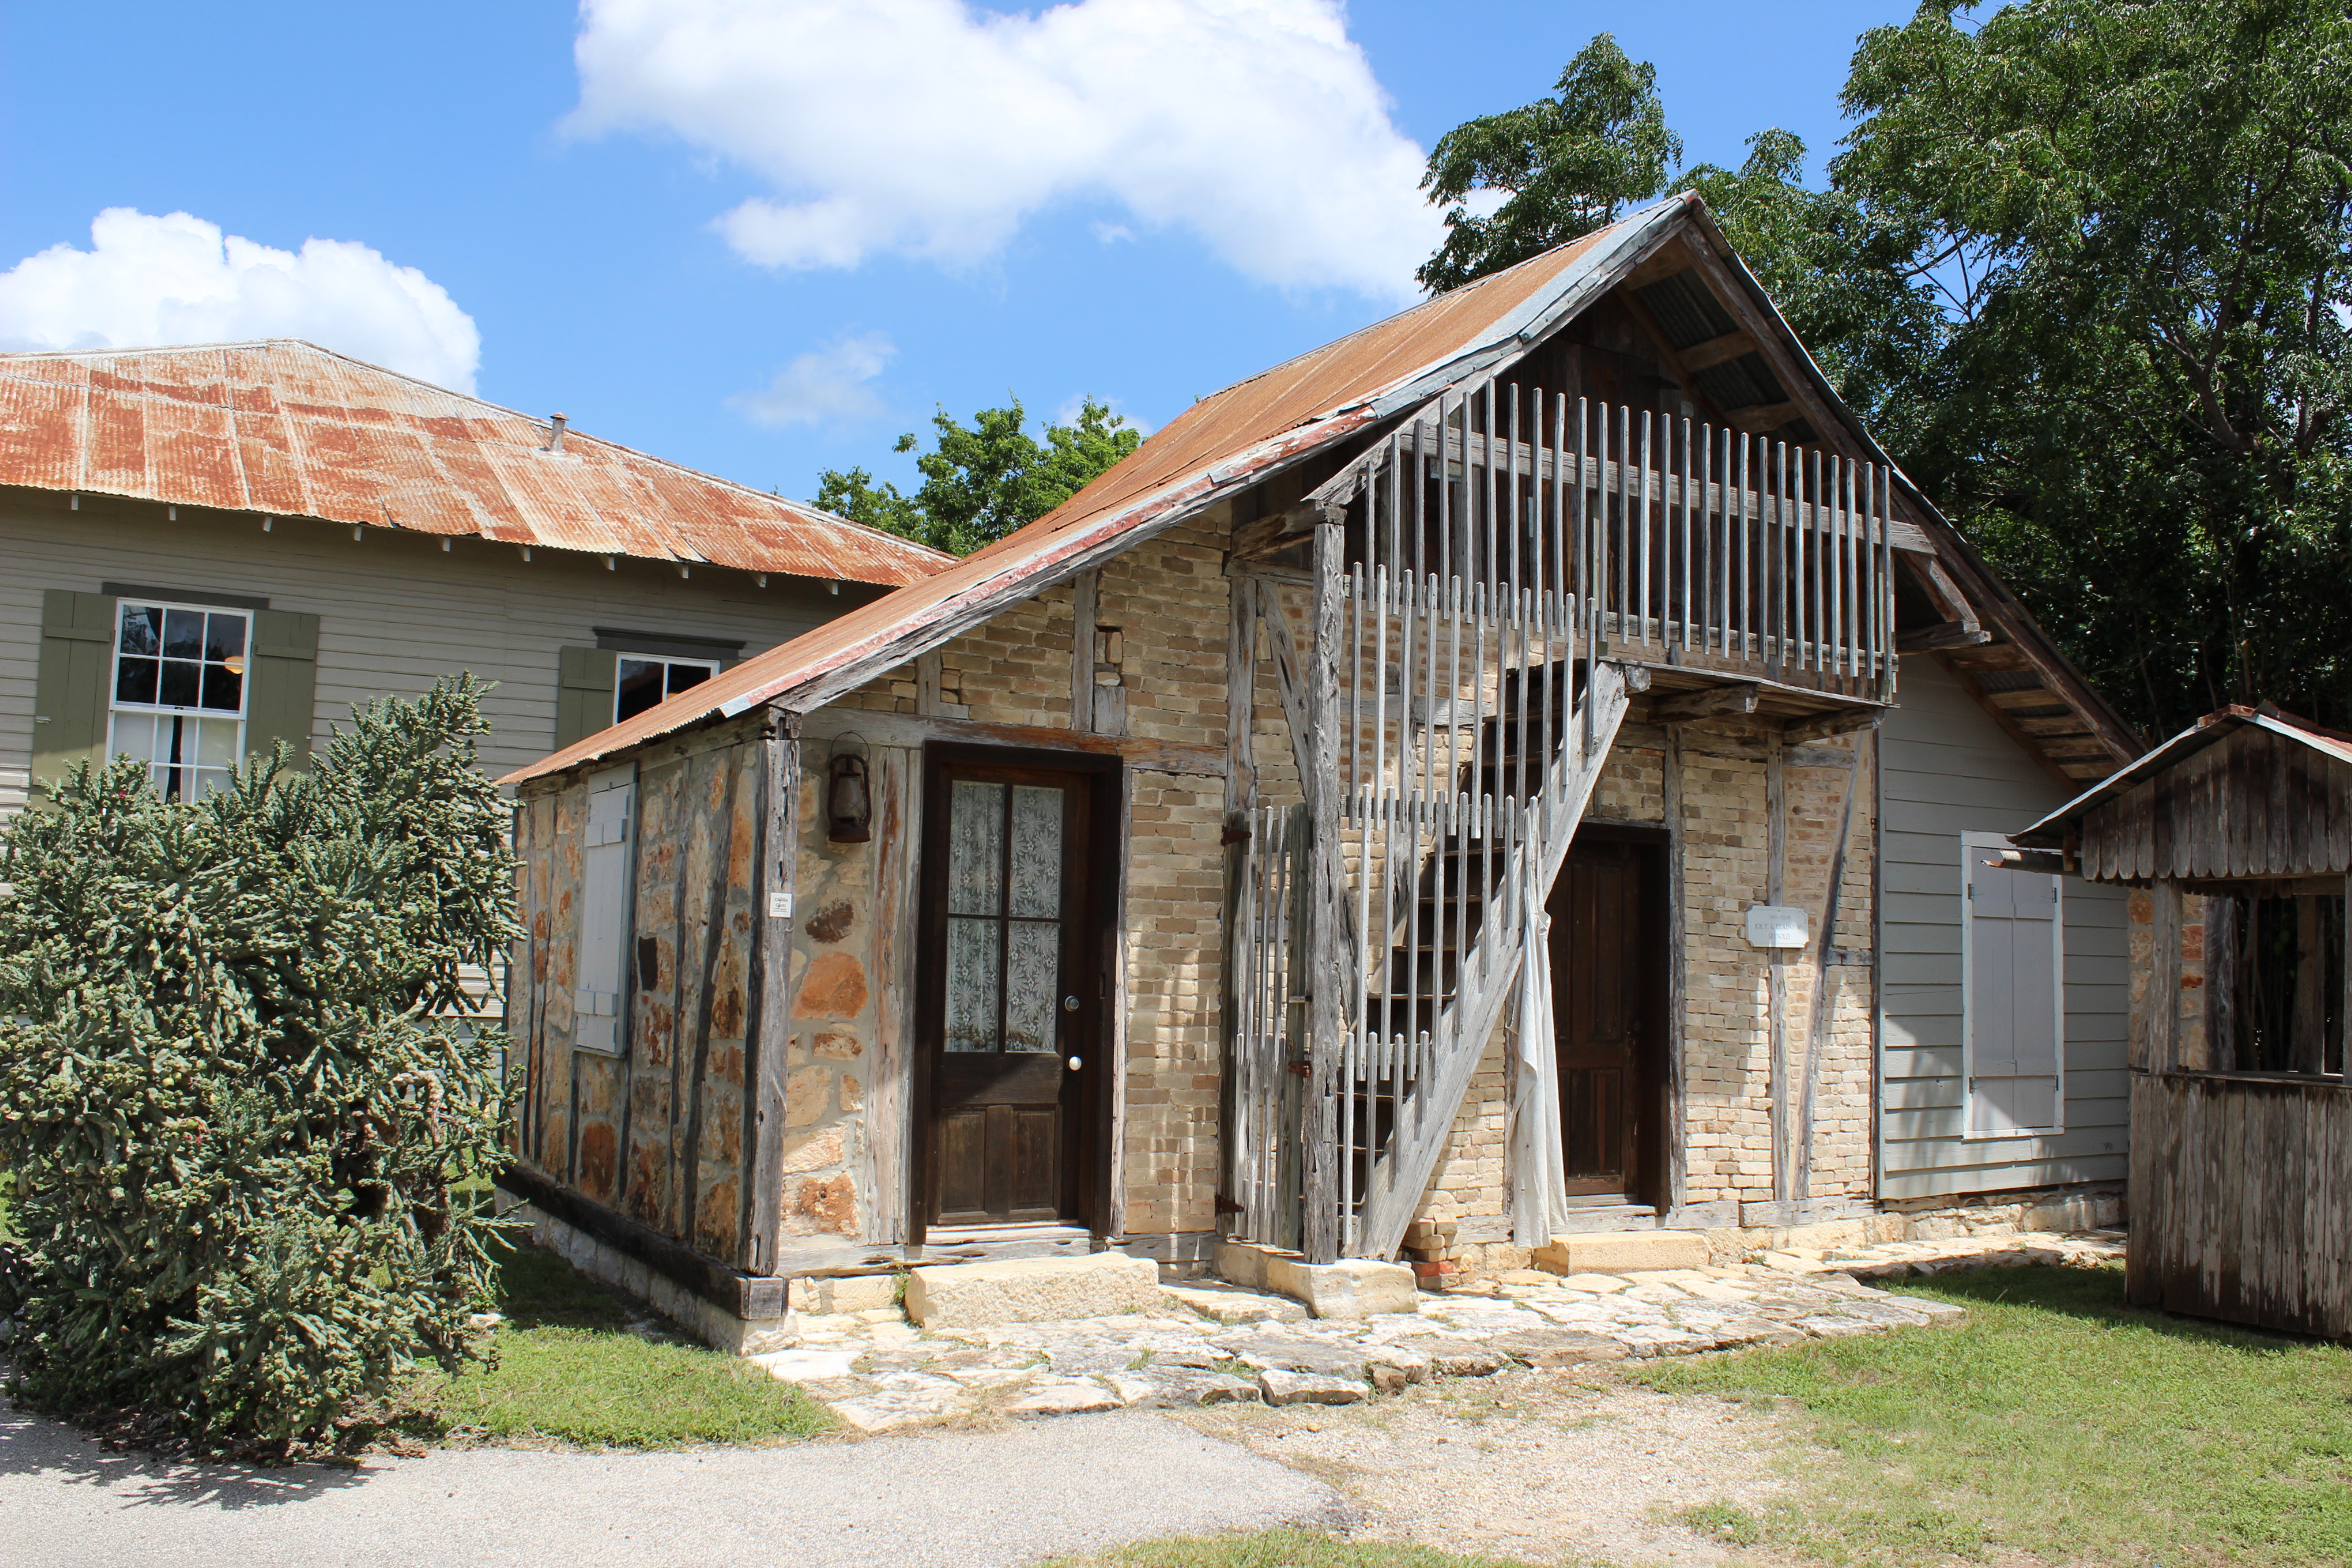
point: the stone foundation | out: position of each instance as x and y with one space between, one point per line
608 1265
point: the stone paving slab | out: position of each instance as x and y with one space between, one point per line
1212 1343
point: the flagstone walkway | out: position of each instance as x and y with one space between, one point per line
1215 1343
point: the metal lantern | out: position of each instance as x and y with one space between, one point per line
848 803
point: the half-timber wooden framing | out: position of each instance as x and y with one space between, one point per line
1385 648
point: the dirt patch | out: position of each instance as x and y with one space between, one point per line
1535 1465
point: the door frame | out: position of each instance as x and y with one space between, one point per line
1657 1129
1097 1081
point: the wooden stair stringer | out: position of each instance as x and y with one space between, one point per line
1402 1175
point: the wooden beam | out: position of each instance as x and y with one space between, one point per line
1824 940
1732 345
1274 531
1776 978
914 730
1326 888
1943 634
1677 1129
767 1032
1821 727
1689 705
1764 416
1082 589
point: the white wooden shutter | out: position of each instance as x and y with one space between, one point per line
2011 1008
605 860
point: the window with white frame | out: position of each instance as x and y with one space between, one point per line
179 693
2012 1006
645 680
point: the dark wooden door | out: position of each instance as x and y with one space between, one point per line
1607 955
1011 993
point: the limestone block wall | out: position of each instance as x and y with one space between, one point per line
853 1023
1726 1126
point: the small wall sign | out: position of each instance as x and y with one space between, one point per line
779 905
1778 926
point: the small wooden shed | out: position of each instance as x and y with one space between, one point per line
2239 833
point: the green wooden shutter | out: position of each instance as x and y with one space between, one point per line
69 694
281 689
584 693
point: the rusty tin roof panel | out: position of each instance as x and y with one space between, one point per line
1221 443
287 429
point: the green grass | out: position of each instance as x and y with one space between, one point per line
2058 1421
569 1369
1280 1548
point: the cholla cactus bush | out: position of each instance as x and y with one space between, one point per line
246 1100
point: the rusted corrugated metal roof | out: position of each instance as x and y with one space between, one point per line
2052 831
288 428
1223 443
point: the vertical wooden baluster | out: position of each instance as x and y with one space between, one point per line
1889 661
1649 422
1683 530
1751 647
1446 486
1708 621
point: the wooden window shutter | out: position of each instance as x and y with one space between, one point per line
281 690
597 1010
2013 998
584 692
69 692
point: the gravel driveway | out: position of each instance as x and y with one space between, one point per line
1035 1489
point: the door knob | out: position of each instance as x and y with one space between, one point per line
1075 1064
1069 1003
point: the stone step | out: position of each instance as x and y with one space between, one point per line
1622 1251
1033 1290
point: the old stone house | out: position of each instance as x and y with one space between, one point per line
1510 774
211 548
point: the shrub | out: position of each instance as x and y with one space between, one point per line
241 1094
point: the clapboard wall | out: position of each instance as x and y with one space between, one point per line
396 611
1950 769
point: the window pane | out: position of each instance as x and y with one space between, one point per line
134 680
640 688
180 684
142 628
184 633
222 688
134 737
224 636
682 676
1032 983
971 984
216 743
976 848
1036 852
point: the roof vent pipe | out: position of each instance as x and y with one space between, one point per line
555 441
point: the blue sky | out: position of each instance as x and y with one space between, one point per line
767 248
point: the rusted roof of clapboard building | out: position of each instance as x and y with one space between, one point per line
1233 439
286 428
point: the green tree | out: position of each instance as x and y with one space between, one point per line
2085 267
242 1083
983 480
2141 216
1566 167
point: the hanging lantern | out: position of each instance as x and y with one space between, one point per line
848 803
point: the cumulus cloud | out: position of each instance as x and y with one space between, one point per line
148 280
824 385
927 128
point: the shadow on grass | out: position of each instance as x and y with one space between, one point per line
2093 1294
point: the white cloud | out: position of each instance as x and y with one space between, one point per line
826 385
1076 405
175 280
927 128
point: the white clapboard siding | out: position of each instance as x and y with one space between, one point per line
1950 769
396 611
605 889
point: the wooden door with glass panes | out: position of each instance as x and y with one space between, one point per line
1007 1014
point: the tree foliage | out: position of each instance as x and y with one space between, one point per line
983 480
1564 166
238 1083
2085 267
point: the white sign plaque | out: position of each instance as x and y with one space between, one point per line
1777 925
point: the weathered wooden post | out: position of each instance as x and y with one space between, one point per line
1320 1227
